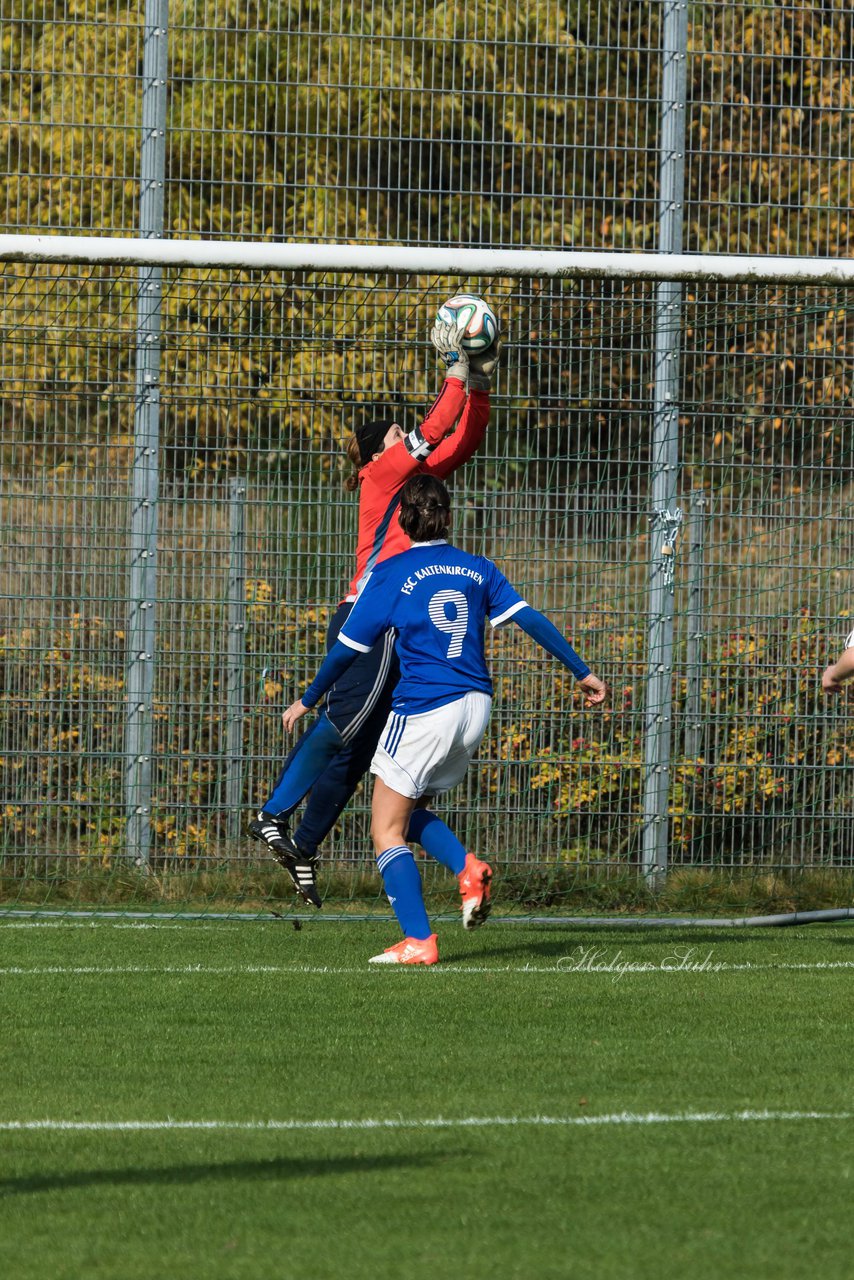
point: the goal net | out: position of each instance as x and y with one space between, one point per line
667 473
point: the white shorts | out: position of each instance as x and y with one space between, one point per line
430 752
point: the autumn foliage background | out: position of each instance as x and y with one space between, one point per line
532 126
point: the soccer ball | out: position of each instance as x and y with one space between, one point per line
482 327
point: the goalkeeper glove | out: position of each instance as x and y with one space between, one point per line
482 365
447 336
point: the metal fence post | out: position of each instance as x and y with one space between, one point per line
236 657
142 589
658 706
694 616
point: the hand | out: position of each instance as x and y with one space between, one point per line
447 337
482 365
294 712
595 689
830 682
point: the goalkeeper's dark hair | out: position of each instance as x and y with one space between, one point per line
425 508
366 440
351 482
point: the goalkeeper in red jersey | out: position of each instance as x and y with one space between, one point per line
333 756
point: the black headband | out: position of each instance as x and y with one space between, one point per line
370 436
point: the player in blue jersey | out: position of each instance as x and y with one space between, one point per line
438 599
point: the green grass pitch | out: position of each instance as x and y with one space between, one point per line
547 1102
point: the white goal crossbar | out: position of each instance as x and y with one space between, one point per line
461 261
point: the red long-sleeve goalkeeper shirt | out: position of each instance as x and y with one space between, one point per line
426 450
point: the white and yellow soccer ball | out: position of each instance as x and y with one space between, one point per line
482 327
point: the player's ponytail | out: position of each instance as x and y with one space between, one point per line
351 482
425 508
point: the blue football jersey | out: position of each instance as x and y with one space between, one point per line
438 599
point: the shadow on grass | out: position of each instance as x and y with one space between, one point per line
277 1168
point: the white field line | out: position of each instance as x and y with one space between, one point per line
584 964
626 1118
127 920
110 924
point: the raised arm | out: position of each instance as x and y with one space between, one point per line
466 440
431 447
477 368
395 465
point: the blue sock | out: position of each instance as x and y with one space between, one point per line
437 839
304 766
402 882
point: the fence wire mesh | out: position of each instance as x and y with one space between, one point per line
539 126
261 378
534 124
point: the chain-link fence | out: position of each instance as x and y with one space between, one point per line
660 459
535 124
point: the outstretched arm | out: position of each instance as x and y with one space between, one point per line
838 672
367 622
546 634
336 662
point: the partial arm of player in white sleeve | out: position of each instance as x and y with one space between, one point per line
835 676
